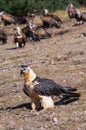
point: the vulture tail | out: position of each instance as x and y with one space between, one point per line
71 89
68 92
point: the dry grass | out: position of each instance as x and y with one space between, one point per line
62 14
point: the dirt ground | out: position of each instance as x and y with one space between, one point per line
61 58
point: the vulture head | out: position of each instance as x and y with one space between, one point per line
45 11
17 30
28 74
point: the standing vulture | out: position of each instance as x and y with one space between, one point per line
50 20
7 19
76 13
19 38
42 89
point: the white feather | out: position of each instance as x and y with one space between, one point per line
47 102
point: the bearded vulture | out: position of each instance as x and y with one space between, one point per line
43 89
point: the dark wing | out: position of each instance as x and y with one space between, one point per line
24 38
15 38
57 18
47 87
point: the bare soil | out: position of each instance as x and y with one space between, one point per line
61 58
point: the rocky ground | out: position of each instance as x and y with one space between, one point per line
61 58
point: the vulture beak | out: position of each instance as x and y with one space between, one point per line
23 68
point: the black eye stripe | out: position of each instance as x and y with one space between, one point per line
25 67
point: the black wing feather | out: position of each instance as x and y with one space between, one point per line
48 87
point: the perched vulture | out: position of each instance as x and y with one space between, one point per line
19 38
41 90
50 20
7 18
76 13
35 33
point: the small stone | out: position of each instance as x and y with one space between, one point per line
55 120
85 112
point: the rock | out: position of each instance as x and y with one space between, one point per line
55 120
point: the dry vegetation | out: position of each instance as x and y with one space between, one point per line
61 58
